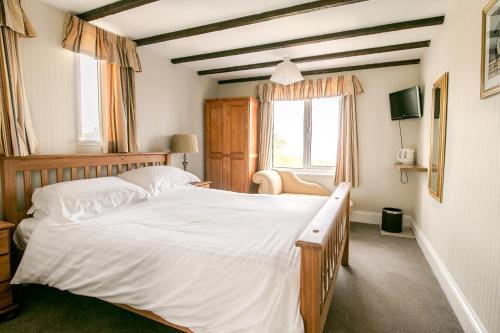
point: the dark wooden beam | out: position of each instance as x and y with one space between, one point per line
316 39
246 20
112 8
346 54
330 70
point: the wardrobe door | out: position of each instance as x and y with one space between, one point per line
214 143
236 145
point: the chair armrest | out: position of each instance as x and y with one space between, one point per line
269 182
293 184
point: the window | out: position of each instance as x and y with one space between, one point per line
89 129
305 134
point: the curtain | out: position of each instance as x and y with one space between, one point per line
347 88
118 62
307 89
17 136
347 168
85 38
266 135
117 98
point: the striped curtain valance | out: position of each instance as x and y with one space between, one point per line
13 17
85 38
307 89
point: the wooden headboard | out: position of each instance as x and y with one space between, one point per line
21 175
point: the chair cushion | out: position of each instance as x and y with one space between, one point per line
293 184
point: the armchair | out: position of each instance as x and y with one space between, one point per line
285 182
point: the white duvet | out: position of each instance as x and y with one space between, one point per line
210 260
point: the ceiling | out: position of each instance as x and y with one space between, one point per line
171 15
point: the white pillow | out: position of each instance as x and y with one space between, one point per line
156 179
86 198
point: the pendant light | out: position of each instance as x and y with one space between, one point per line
286 73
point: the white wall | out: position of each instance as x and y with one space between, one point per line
378 138
170 101
169 98
464 231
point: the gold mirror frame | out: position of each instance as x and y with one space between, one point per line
441 83
485 39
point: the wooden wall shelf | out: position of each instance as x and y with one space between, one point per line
410 167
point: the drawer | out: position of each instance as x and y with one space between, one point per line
5 295
4 268
4 241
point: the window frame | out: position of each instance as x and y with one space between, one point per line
80 141
307 149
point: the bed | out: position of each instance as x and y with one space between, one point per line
293 247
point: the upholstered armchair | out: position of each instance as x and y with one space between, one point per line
285 182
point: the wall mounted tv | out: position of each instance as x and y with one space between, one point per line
405 104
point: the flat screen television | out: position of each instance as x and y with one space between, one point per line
405 104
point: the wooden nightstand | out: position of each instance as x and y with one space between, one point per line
7 305
205 184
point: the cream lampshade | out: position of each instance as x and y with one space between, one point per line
286 73
184 143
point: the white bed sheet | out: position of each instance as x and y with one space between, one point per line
23 232
210 260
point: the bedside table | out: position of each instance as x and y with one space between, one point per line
7 305
205 184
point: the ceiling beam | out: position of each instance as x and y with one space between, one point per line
112 8
246 20
330 70
329 56
316 39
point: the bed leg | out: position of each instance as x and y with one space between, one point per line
345 255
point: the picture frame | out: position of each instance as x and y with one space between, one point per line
490 50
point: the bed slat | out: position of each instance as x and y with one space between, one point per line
60 175
98 170
27 189
74 173
45 177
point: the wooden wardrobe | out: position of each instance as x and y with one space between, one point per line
231 143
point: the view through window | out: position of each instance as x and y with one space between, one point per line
89 119
305 133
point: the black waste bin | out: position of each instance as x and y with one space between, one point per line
392 219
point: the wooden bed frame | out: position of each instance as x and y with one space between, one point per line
324 243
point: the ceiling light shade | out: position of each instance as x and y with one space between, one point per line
286 73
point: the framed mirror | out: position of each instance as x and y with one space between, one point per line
438 137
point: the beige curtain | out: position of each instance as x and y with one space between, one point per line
347 87
347 168
118 63
17 137
307 89
266 135
85 38
117 99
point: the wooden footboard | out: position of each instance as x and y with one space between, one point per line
324 247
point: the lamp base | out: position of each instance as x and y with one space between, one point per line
185 162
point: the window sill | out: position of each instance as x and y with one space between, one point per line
312 172
88 143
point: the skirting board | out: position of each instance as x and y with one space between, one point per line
468 318
376 218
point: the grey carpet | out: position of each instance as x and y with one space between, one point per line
389 287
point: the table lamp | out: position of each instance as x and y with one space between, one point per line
184 143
